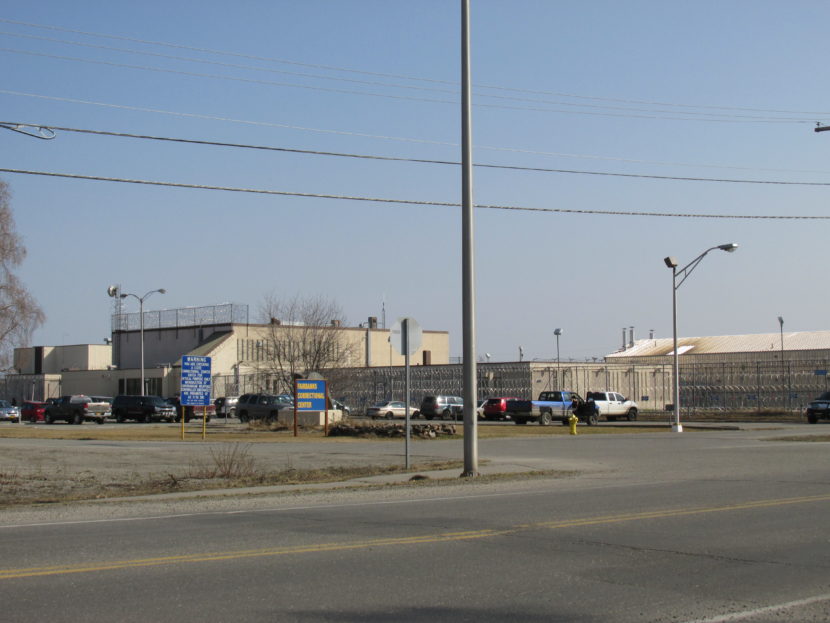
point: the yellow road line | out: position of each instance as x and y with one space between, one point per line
9 574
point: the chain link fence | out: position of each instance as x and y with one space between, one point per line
708 387
705 387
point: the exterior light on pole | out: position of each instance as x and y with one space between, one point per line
684 273
112 292
783 369
557 332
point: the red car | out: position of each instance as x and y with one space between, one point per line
32 411
494 408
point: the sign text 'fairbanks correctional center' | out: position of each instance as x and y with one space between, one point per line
311 395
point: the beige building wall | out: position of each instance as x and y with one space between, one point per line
379 351
365 348
56 359
87 368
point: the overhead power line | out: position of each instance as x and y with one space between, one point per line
260 191
525 92
633 114
50 129
335 68
402 139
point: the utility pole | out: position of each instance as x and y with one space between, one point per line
468 312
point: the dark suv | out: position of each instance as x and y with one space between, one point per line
819 409
142 409
447 407
262 407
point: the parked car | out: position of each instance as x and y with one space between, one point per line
142 409
267 407
9 412
447 407
818 409
190 412
612 405
496 408
33 411
552 405
107 399
226 406
389 409
336 404
76 409
480 410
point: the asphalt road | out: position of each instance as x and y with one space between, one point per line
701 526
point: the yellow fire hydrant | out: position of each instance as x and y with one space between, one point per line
572 423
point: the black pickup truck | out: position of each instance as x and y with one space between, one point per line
77 409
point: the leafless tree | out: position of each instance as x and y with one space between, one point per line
20 315
305 335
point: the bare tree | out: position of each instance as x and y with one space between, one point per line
305 335
20 315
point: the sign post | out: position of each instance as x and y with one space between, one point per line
195 387
406 336
310 395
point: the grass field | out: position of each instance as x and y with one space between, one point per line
254 434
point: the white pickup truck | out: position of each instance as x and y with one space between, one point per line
612 405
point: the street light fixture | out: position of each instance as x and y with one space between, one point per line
114 292
671 262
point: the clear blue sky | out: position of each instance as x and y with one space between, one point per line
705 89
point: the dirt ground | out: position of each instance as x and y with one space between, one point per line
46 464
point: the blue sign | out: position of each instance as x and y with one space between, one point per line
821 372
195 388
311 395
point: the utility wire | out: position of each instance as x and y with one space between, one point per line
194 74
400 76
640 113
383 84
393 138
190 115
205 61
50 128
411 201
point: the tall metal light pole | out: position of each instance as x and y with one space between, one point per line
468 313
140 300
557 332
784 385
671 262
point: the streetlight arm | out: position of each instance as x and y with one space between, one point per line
684 272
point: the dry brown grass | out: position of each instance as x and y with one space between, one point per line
229 468
258 433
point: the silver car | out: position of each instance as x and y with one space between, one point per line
389 409
8 412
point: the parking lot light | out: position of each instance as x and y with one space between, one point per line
684 273
112 292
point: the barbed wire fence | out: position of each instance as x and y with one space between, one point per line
704 387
